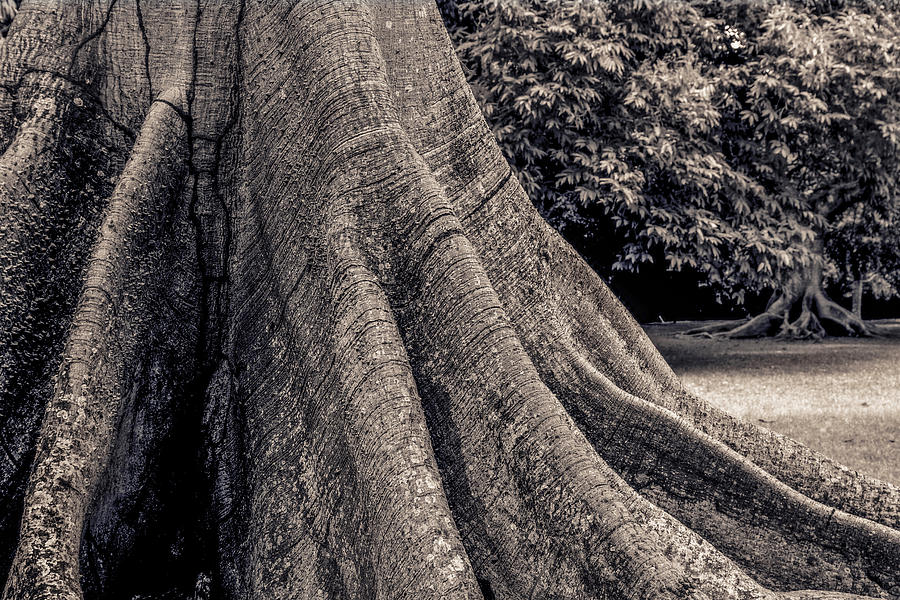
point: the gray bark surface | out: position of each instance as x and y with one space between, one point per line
856 309
278 320
800 310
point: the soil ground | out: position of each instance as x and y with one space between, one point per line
840 396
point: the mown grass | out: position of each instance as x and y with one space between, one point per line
840 396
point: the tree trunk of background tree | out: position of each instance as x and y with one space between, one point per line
278 322
857 298
800 310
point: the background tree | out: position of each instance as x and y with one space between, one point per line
871 253
825 90
277 321
724 138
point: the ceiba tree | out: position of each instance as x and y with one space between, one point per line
754 144
278 319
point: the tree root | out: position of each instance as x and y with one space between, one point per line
817 310
708 331
47 220
710 491
761 325
392 410
831 312
105 339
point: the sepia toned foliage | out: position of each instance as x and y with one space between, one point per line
277 320
730 139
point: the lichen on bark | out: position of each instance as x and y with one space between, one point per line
311 304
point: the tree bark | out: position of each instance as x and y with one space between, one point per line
305 336
858 287
799 310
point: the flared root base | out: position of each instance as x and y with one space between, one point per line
317 290
818 317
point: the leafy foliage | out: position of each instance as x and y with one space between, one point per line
736 139
8 9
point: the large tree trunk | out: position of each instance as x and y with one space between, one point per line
858 287
277 318
799 310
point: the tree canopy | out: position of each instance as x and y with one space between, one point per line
278 321
746 141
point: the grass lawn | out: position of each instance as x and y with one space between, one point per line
840 396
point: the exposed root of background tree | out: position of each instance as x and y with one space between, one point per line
802 311
313 340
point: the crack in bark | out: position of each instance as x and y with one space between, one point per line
86 93
142 27
388 396
93 35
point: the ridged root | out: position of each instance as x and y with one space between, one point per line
818 316
106 342
412 387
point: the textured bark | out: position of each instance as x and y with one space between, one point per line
801 310
857 295
305 336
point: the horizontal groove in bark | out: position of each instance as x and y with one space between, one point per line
782 538
389 337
